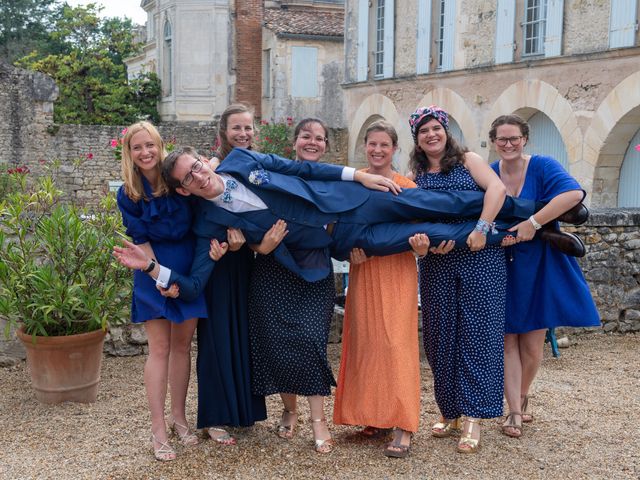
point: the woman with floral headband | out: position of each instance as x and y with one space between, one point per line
462 292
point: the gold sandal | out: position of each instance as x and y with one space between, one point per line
510 423
466 443
445 428
322 446
287 431
527 415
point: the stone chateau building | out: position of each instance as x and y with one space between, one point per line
572 68
285 57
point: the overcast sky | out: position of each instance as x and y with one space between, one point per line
117 8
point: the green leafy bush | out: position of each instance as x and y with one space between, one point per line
57 273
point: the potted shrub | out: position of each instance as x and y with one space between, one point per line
58 282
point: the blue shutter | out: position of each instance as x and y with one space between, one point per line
456 132
553 28
363 41
449 38
505 30
304 72
629 183
389 37
622 23
545 139
423 40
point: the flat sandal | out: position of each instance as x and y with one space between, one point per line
510 423
445 428
527 416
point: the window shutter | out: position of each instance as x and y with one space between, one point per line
505 30
363 37
389 37
553 28
304 72
622 23
423 40
449 24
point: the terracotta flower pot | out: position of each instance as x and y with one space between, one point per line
65 368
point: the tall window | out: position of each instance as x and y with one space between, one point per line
304 72
445 34
379 53
167 65
151 27
533 26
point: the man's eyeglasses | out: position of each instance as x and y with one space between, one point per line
514 141
195 168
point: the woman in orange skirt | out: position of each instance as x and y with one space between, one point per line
379 379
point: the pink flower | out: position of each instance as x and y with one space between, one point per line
114 143
42 161
124 131
638 148
90 155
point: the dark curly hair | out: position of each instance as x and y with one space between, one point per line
453 155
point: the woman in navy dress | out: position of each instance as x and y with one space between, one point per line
223 364
545 288
160 223
462 292
290 320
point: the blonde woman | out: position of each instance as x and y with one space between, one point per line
160 224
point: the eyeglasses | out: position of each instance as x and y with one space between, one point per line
195 168
514 141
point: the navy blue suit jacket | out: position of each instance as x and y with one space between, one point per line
308 196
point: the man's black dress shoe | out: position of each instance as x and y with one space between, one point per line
567 243
576 216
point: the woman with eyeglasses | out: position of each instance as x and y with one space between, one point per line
463 291
161 224
290 319
545 288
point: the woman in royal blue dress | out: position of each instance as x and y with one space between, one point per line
223 364
545 288
160 223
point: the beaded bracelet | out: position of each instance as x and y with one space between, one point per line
485 227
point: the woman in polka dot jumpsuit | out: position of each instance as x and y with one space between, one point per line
462 292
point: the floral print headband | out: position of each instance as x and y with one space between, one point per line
417 118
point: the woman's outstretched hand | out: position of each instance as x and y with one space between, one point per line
131 256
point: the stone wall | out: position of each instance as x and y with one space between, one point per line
612 266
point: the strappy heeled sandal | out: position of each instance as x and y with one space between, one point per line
287 431
164 453
395 448
445 428
224 439
322 446
467 444
510 423
527 415
186 436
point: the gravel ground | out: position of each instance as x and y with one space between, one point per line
586 403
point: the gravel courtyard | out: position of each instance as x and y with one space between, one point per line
587 425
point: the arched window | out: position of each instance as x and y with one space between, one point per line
629 183
545 139
167 70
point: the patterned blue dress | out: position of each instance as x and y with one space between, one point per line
463 313
546 288
164 222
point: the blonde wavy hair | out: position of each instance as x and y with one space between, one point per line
130 174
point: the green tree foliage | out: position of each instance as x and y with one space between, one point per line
23 27
89 70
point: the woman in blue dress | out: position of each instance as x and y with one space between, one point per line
545 288
462 292
223 364
160 223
